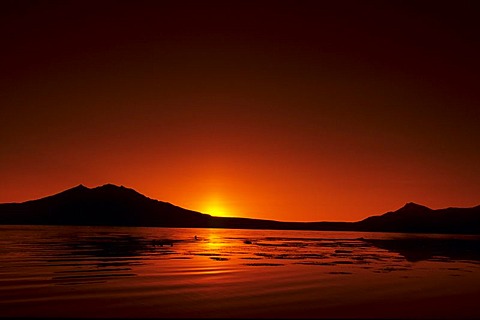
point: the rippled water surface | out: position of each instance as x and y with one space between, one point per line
53 271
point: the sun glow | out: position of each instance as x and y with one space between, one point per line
215 207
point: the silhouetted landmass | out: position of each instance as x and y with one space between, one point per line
110 205
416 218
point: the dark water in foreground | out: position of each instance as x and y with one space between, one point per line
136 272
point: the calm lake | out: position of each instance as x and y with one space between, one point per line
58 271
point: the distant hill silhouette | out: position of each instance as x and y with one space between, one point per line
417 218
111 205
105 205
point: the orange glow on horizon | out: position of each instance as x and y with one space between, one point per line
214 206
228 110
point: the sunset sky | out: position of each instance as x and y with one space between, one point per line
284 110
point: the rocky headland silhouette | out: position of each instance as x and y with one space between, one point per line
111 205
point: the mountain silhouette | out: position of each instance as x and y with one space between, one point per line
417 218
104 205
111 205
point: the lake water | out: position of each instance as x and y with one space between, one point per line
83 272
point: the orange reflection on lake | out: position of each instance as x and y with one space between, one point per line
167 272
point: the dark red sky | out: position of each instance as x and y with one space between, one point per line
286 110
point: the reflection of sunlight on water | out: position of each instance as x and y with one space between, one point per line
221 273
214 247
214 242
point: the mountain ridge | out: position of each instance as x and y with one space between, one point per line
114 205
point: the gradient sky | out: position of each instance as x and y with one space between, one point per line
285 110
